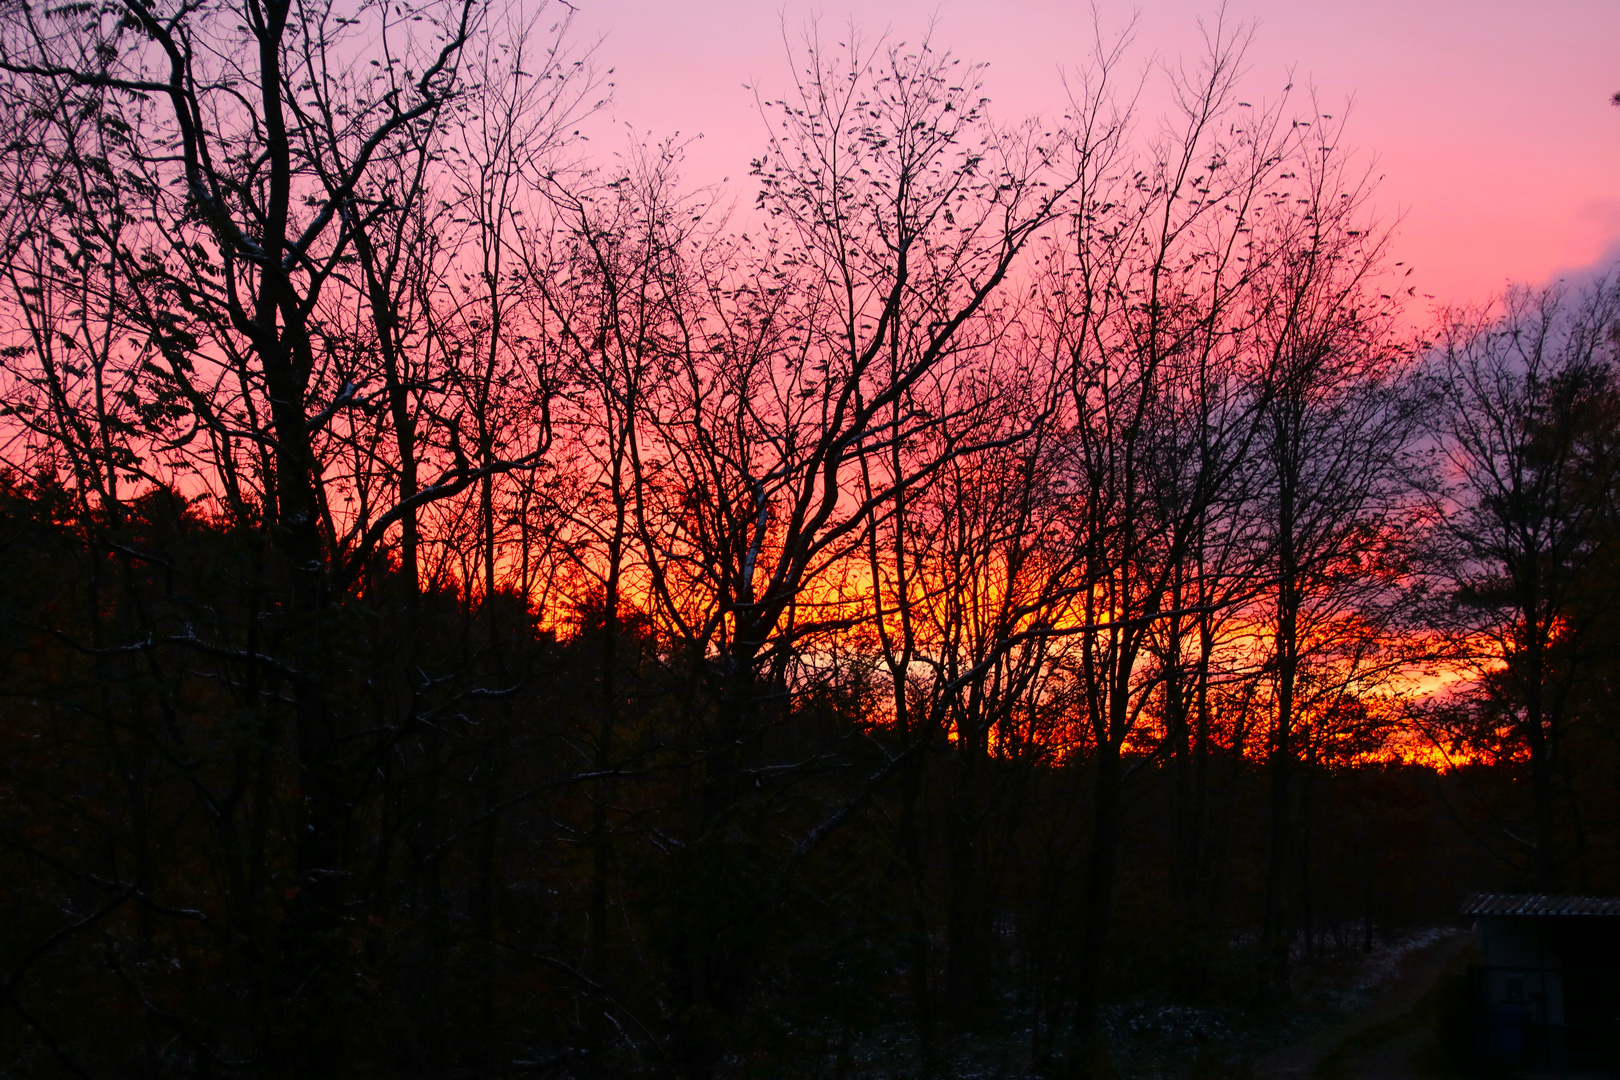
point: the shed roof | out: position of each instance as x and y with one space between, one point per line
1542 904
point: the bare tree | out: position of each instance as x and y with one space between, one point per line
1330 463
969 593
1158 305
1518 493
267 182
897 213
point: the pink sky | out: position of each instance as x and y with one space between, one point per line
1488 120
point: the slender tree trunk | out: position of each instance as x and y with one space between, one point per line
1541 768
918 953
1276 926
601 839
1277 921
1099 898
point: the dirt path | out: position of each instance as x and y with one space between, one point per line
1378 1042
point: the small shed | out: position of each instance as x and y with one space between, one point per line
1548 987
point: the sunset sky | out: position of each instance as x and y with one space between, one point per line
1489 121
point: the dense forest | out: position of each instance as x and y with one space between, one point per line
478 606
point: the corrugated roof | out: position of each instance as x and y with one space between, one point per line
1541 904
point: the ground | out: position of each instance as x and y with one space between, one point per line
1386 1039
1393 1035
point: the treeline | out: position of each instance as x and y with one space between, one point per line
475 609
